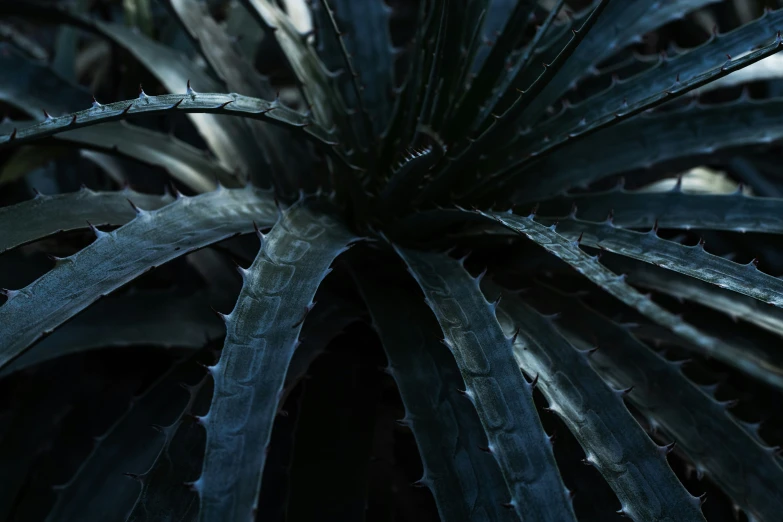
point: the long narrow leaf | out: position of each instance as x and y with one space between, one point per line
233 104
143 319
620 25
675 209
728 450
613 441
117 257
494 383
693 261
667 73
744 358
228 138
262 334
465 481
42 216
688 132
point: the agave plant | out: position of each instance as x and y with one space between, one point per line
418 155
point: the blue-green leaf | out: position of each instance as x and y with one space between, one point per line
747 360
139 319
262 334
45 215
633 465
693 261
728 450
622 24
667 73
675 209
494 383
233 104
688 132
117 257
465 481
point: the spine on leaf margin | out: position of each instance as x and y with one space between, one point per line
465 481
751 363
494 383
728 450
693 261
262 334
115 258
635 468
190 102
45 215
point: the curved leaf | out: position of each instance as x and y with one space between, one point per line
34 85
729 451
366 34
262 333
736 306
465 481
180 458
692 261
744 358
99 490
185 163
227 138
633 465
117 257
494 383
667 73
45 215
675 209
128 320
648 140
233 104
621 24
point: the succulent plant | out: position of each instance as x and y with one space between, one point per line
418 153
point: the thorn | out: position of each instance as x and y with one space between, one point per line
307 310
142 94
534 382
46 115
95 231
95 103
134 207
13 135
8 293
189 90
668 448
260 234
516 334
221 315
